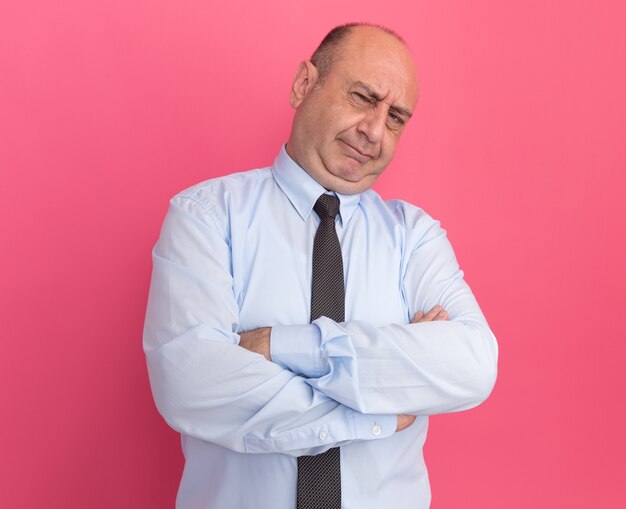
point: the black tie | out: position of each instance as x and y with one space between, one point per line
319 477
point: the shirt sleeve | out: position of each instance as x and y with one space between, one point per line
203 383
421 369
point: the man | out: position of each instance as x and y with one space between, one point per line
275 411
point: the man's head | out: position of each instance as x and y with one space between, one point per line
353 100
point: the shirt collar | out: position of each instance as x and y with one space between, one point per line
302 190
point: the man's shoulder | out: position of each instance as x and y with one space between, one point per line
219 193
398 211
399 217
213 200
218 187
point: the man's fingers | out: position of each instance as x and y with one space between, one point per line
442 315
436 313
418 316
430 316
404 421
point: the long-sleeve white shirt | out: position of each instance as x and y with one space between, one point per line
235 254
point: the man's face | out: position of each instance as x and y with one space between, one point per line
346 128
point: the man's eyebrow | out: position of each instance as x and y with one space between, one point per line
375 95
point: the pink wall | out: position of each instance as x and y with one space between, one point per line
109 108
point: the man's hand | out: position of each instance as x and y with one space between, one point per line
436 313
404 421
257 341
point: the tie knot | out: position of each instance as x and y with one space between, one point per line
327 205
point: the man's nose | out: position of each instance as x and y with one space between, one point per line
374 122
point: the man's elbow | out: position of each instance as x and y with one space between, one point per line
486 371
487 383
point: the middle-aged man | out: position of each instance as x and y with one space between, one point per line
300 330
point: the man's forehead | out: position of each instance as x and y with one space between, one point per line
365 43
398 89
379 60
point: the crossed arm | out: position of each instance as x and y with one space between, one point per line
258 341
209 383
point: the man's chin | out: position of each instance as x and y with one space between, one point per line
347 176
352 183
350 170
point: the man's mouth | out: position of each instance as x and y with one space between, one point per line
355 153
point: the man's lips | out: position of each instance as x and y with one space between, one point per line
355 153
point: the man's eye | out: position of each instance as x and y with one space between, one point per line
361 98
395 118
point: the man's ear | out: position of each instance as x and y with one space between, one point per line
305 80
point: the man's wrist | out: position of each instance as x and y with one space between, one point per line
257 341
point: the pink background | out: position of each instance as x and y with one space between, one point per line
109 108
